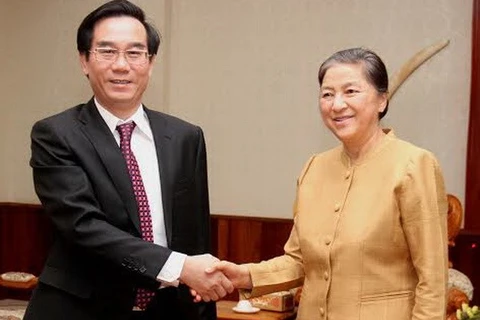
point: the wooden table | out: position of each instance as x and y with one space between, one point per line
225 312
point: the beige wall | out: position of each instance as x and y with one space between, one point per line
245 71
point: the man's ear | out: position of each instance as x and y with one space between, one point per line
84 63
151 62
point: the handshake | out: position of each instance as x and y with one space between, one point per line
210 279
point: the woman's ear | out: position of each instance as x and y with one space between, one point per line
383 103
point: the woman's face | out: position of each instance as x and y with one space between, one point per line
349 104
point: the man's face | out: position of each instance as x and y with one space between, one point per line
117 84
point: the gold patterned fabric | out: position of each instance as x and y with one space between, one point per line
369 240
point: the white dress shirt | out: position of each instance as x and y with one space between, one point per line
143 147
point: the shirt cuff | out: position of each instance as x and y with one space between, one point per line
171 270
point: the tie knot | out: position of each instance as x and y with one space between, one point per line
126 130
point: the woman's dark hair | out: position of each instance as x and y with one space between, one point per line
375 70
115 8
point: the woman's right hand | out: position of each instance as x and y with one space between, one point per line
239 275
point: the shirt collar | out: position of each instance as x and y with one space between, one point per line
139 117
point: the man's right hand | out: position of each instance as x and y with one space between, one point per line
210 286
239 275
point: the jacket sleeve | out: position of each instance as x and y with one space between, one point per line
206 310
66 193
423 208
201 194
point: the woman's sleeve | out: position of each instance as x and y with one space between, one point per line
283 272
423 208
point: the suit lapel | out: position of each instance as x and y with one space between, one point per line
107 148
162 137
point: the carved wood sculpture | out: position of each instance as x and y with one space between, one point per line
455 298
455 216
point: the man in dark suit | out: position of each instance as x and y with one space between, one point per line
125 188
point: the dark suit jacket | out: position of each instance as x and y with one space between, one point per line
98 257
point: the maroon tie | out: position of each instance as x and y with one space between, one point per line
143 296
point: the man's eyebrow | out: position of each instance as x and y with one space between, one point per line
104 43
138 45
